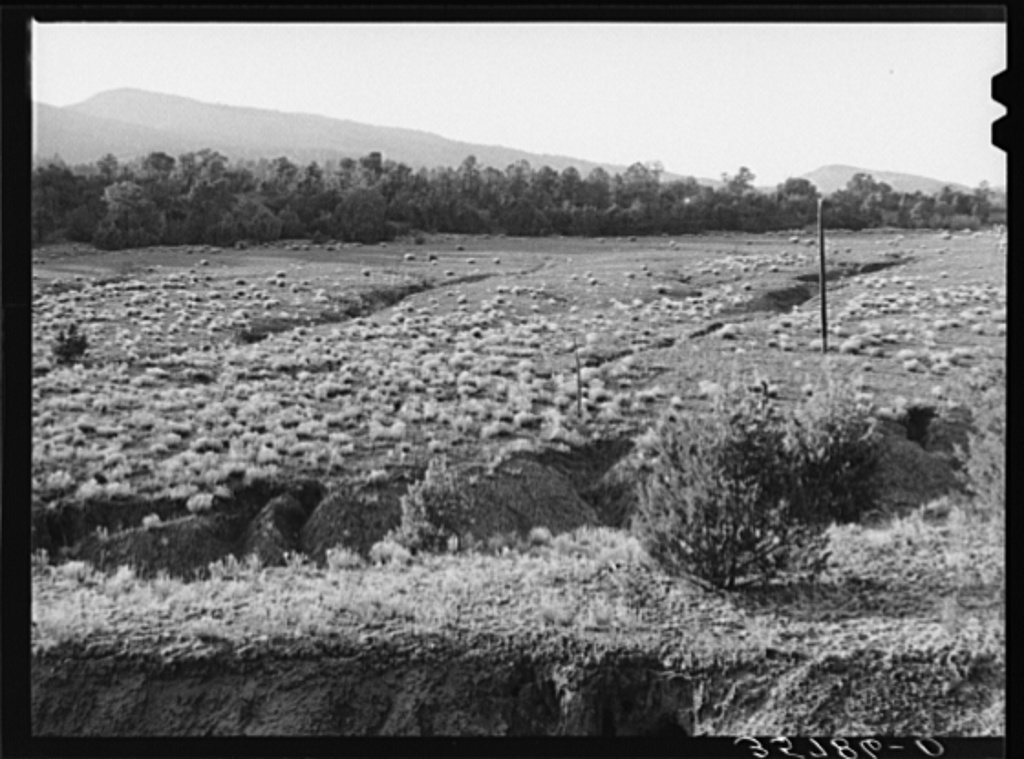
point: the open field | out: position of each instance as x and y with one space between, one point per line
281 399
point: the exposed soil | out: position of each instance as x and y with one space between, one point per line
494 675
480 685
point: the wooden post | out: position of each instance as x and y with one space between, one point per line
821 280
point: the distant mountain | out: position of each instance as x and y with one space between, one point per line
131 123
834 177
80 138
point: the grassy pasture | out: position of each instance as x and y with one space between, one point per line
170 406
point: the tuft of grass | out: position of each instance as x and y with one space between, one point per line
340 558
555 612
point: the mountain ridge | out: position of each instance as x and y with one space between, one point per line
246 132
832 177
130 122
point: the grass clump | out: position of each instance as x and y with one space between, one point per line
748 492
70 345
341 558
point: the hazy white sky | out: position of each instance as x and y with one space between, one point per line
781 99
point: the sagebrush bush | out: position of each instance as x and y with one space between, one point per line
983 462
835 451
70 345
434 511
748 492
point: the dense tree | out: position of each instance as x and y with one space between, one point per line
518 174
523 219
570 187
108 168
256 222
291 225
638 184
206 205
395 181
372 169
132 219
361 216
740 184
347 175
981 208
798 202
544 187
201 197
56 193
470 181
157 167
597 189
240 180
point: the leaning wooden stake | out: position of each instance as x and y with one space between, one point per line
579 380
821 280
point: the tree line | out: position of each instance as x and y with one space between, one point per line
203 198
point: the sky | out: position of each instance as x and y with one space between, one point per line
704 99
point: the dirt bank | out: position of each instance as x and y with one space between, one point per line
535 684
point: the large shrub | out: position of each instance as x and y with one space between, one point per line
983 461
834 450
747 492
435 511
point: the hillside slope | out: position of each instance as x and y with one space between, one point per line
131 122
835 176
